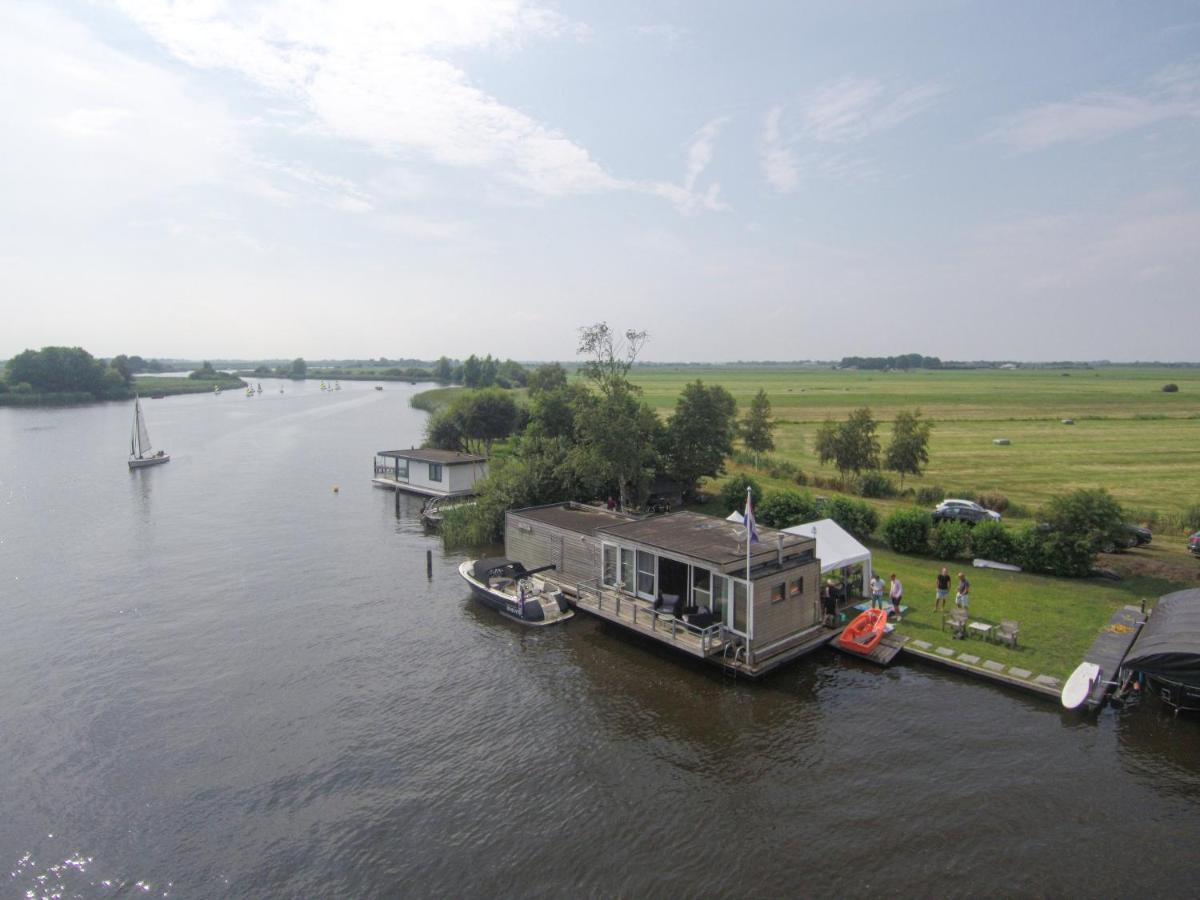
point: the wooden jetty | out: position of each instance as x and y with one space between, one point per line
1109 649
885 651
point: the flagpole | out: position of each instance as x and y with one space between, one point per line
749 529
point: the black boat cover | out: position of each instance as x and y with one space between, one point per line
498 565
1168 645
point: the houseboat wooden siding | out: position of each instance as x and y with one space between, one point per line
560 535
786 602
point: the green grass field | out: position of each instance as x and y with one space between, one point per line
1130 437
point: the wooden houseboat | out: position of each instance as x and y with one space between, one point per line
680 579
432 473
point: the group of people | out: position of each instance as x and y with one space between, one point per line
942 592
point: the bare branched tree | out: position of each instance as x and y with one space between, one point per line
610 356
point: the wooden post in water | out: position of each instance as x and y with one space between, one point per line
428 563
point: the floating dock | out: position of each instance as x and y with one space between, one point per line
885 651
1109 649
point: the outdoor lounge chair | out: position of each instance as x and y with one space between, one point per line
1007 632
957 620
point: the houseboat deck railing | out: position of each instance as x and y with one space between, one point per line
644 617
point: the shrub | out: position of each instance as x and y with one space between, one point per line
800 478
733 493
857 517
22 387
876 484
780 468
1052 552
992 540
782 509
907 531
1170 388
950 540
992 500
930 494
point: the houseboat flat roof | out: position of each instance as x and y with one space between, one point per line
706 538
445 457
575 517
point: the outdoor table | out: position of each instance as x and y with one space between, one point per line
983 629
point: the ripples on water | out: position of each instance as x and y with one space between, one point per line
218 677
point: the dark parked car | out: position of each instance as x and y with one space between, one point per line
962 511
1194 543
1131 536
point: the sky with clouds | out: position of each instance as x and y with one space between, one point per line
792 180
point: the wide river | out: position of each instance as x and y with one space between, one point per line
219 677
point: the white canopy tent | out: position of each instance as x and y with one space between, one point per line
836 548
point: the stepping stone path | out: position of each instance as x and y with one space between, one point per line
968 658
1046 680
944 651
1019 673
924 645
993 666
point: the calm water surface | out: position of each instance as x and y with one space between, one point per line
220 678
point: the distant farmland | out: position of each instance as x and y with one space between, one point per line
1129 436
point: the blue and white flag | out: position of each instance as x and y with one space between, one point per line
751 531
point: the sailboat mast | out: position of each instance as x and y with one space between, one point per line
134 451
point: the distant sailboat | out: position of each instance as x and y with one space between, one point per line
260 387
216 389
337 385
139 443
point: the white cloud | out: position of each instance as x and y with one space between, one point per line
686 197
377 73
838 114
1174 93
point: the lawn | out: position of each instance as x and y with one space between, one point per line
1059 617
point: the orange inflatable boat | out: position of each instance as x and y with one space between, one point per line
864 633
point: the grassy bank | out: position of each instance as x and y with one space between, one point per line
434 399
1130 437
147 386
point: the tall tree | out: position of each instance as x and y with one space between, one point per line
442 370
701 432
609 355
617 439
758 427
472 374
548 377
299 367
908 452
850 445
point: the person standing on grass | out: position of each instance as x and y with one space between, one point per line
876 585
943 589
963 599
896 594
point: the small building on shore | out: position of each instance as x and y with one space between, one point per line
681 579
433 473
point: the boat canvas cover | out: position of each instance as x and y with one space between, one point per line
1168 645
499 565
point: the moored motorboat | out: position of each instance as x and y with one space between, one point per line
865 632
506 586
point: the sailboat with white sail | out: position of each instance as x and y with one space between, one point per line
140 451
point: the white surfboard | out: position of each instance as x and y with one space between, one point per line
1079 685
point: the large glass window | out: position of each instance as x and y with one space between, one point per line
739 606
402 468
627 570
646 565
720 597
435 471
701 587
609 565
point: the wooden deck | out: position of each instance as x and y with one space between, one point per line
709 644
1109 649
640 616
885 651
395 485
